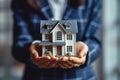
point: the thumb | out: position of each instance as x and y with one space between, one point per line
34 54
82 53
33 51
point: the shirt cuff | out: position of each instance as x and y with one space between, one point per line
36 41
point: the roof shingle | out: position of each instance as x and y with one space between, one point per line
53 23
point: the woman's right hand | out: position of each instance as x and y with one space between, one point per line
42 61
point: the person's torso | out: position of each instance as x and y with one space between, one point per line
82 15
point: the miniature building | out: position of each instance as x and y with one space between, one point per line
58 37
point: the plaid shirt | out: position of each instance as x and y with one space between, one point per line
26 30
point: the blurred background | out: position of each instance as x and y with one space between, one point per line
107 66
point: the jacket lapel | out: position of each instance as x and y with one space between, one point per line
45 8
70 13
67 13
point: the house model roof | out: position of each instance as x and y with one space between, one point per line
69 26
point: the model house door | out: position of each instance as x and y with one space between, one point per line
59 50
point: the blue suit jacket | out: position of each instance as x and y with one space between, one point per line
27 29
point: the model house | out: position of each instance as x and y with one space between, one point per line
58 37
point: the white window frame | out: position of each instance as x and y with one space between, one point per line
69 48
59 35
69 36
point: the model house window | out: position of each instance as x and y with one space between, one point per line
49 26
59 35
69 48
68 25
69 36
46 36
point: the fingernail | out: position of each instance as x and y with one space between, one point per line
60 58
48 57
81 55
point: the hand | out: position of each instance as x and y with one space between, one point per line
70 62
42 61
35 4
31 3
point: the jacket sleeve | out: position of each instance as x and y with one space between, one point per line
21 34
92 33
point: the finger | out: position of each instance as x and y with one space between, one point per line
40 60
78 61
50 65
54 58
33 51
81 49
47 62
48 58
44 65
75 60
64 58
35 61
70 63
83 60
76 65
73 64
34 54
81 53
44 59
62 66
65 64
53 64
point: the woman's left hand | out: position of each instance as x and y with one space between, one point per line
70 62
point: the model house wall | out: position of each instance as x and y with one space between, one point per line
58 33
